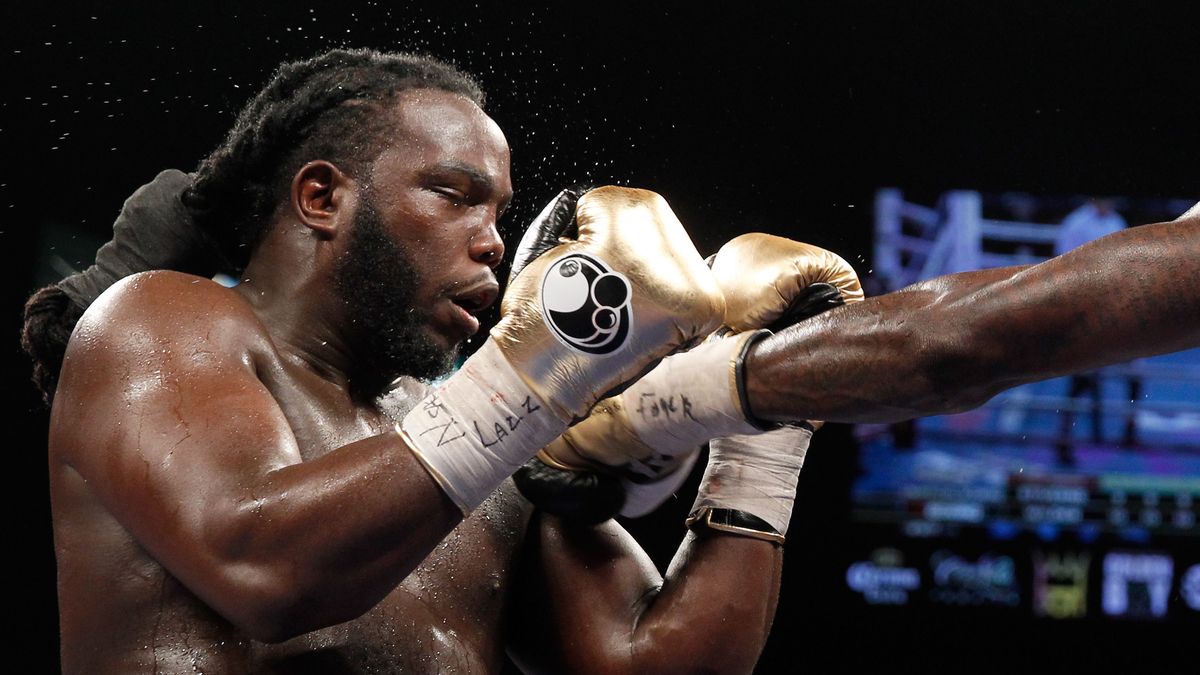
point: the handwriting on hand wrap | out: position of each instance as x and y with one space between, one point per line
447 424
433 407
500 430
653 406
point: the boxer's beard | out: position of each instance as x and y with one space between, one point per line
378 284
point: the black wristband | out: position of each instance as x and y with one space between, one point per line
739 376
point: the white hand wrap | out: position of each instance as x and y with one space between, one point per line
755 474
692 397
476 428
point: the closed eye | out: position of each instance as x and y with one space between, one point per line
450 193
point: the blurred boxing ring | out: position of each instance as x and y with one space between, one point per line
915 242
1119 454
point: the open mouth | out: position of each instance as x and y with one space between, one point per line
470 302
476 299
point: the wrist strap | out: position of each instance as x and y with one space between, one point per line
733 521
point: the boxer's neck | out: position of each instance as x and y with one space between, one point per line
289 284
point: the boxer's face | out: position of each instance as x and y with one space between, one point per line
425 234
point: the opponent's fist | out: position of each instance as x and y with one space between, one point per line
773 282
604 282
636 448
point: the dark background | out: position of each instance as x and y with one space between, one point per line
771 116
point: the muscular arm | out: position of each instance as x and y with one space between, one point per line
590 601
951 343
163 411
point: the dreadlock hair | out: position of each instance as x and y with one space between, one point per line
50 316
326 107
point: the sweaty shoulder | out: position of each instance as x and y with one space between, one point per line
145 345
157 324
166 306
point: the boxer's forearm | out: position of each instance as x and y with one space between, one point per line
887 358
590 601
951 343
332 536
715 608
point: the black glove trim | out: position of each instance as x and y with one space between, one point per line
557 220
816 299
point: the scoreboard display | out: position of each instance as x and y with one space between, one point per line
980 511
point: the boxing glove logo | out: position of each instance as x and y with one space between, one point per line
586 304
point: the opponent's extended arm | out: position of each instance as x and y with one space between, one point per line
950 343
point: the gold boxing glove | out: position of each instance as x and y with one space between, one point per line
604 282
635 448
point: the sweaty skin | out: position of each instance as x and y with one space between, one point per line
224 502
951 343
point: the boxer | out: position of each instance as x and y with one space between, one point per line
257 479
